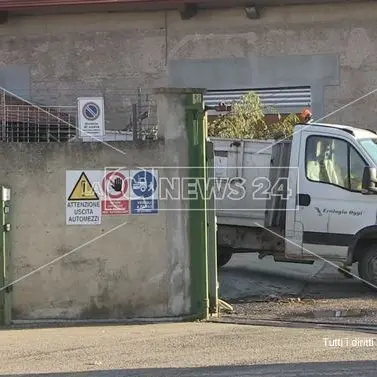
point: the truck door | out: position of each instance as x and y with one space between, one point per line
330 206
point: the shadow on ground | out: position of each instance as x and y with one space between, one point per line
248 277
331 369
297 324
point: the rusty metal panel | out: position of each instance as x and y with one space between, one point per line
9 5
24 4
19 111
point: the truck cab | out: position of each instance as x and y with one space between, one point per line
329 207
332 212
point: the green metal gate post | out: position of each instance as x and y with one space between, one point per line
213 284
5 295
197 137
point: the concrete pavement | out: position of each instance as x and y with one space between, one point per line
201 349
180 349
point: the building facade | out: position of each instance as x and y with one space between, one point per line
321 56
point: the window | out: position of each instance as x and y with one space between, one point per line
370 146
334 161
357 166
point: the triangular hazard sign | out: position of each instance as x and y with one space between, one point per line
83 190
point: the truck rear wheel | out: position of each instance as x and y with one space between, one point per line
368 267
223 256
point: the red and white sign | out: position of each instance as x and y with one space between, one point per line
115 186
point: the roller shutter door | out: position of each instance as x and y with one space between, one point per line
284 100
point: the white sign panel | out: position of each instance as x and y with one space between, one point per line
91 117
83 197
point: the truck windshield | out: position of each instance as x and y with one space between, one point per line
370 146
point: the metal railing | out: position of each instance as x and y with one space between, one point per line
142 117
23 121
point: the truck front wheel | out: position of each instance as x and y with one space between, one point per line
368 267
223 256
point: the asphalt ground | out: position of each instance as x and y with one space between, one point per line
187 350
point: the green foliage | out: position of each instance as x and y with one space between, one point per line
247 121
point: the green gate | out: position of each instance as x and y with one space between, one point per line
204 284
5 288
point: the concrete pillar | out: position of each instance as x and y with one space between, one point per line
172 129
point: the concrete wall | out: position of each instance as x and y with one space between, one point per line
140 269
330 47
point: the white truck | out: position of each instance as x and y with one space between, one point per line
313 197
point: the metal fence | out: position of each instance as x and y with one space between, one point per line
143 117
24 121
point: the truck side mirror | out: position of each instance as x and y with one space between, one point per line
369 180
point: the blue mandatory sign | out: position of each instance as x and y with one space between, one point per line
144 185
91 111
139 206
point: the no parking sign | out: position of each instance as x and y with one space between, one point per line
91 118
115 186
144 191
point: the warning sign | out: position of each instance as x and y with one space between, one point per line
115 186
83 205
83 190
